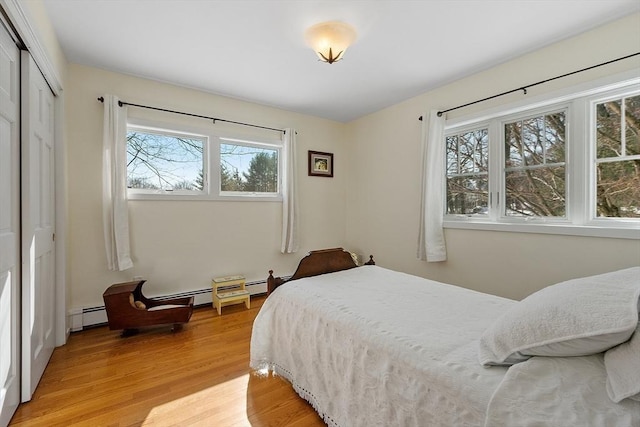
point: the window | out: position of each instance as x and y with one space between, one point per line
248 168
535 166
179 163
164 160
468 173
617 160
568 168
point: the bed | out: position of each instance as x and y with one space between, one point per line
368 346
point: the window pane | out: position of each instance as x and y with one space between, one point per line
452 155
536 192
632 134
481 153
465 152
513 144
536 141
618 189
531 188
468 153
608 132
533 141
467 195
554 144
159 161
248 169
467 173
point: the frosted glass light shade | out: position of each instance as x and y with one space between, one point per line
330 40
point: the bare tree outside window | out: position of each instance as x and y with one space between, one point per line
618 158
535 166
159 161
468 173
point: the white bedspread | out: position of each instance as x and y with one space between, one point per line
374 347
559 392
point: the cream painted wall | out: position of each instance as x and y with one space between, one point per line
384 171
180 246
36 14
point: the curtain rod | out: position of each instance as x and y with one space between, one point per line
524 88
214 119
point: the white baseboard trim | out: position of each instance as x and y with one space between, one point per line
80 318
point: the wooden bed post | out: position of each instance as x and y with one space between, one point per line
270 282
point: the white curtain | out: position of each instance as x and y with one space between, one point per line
114 189
289 194
431 244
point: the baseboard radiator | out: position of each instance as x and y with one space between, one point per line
87 317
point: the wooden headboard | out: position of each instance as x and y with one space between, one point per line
318 262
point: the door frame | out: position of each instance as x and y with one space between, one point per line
18 17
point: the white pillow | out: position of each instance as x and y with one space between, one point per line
623 369
578 317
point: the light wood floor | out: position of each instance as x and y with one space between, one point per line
199 376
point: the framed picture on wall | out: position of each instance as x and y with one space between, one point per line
320 164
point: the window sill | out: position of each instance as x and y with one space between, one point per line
203 198
631 232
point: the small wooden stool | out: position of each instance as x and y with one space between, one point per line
234 292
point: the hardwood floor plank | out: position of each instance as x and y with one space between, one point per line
199 376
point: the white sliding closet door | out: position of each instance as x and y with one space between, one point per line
9 227
38 233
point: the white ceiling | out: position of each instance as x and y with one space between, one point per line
254 49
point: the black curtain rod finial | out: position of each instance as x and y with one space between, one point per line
101 99
439 115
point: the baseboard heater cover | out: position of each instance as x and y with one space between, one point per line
87 317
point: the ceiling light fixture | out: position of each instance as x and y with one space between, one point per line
330 40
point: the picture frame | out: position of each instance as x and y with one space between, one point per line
320 164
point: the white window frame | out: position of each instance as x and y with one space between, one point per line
460 131
215 182
134 193
591 103
580 220
211 167
499 164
